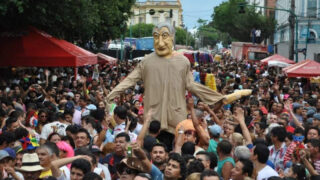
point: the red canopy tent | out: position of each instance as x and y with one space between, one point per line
105 59
39 49
277 57
307 69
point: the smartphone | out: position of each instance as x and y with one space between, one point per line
129 151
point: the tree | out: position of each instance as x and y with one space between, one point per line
226 18
79 21
207 34
183 37
140 30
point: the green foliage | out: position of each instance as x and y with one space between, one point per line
77 21
208 35
183 37
140 30
226 18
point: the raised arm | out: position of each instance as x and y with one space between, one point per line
239 116
56 164
287 105
213 115
145 127
206 95
203 135
128 82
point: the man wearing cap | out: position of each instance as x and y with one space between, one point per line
11 164
30 168
166 76
297 109
6 168
215 131
316 120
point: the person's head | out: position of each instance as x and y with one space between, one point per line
195 166
313 133
66 149
209 175
43 115
68 115
82 138
297 171
242 169
54 137
30 167
298 134
257 115
224 147
163 35
188 148
314 146
236 139
259 127
260 154
79 168
143 176
279 108
120 114
154 127
176 167
72 130
241 152
215 130
91 176
12 124
272 118
283 119
190 136
47 152
194 176
126 172
204 158
278 134
159 154
121 141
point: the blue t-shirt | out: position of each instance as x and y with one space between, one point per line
156 174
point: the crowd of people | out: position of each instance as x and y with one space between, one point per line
55 125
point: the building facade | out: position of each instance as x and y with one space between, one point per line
308 12
141 12
264 3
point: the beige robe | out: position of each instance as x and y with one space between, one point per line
165 82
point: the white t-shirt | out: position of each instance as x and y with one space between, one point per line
266 172
66 172
49 128
105 171
138 128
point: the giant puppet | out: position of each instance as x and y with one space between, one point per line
166 76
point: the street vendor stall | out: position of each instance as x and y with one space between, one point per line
38 49
277 58
306 69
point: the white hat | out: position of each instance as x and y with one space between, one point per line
30 163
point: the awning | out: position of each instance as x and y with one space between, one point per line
278 58
278 64
105 59
39 49
307 69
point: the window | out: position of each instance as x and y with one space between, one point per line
155 20
312 8
141 20
312 37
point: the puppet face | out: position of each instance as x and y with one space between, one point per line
163 42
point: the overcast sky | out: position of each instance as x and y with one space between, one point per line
195 9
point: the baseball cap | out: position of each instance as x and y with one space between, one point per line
215 129
316 116
296 105
3 154
69 105
310 112
11 152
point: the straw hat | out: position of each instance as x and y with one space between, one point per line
30 163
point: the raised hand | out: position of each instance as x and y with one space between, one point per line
190 103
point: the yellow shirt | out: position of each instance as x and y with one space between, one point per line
45 174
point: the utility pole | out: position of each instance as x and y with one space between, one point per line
307 38
291 25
